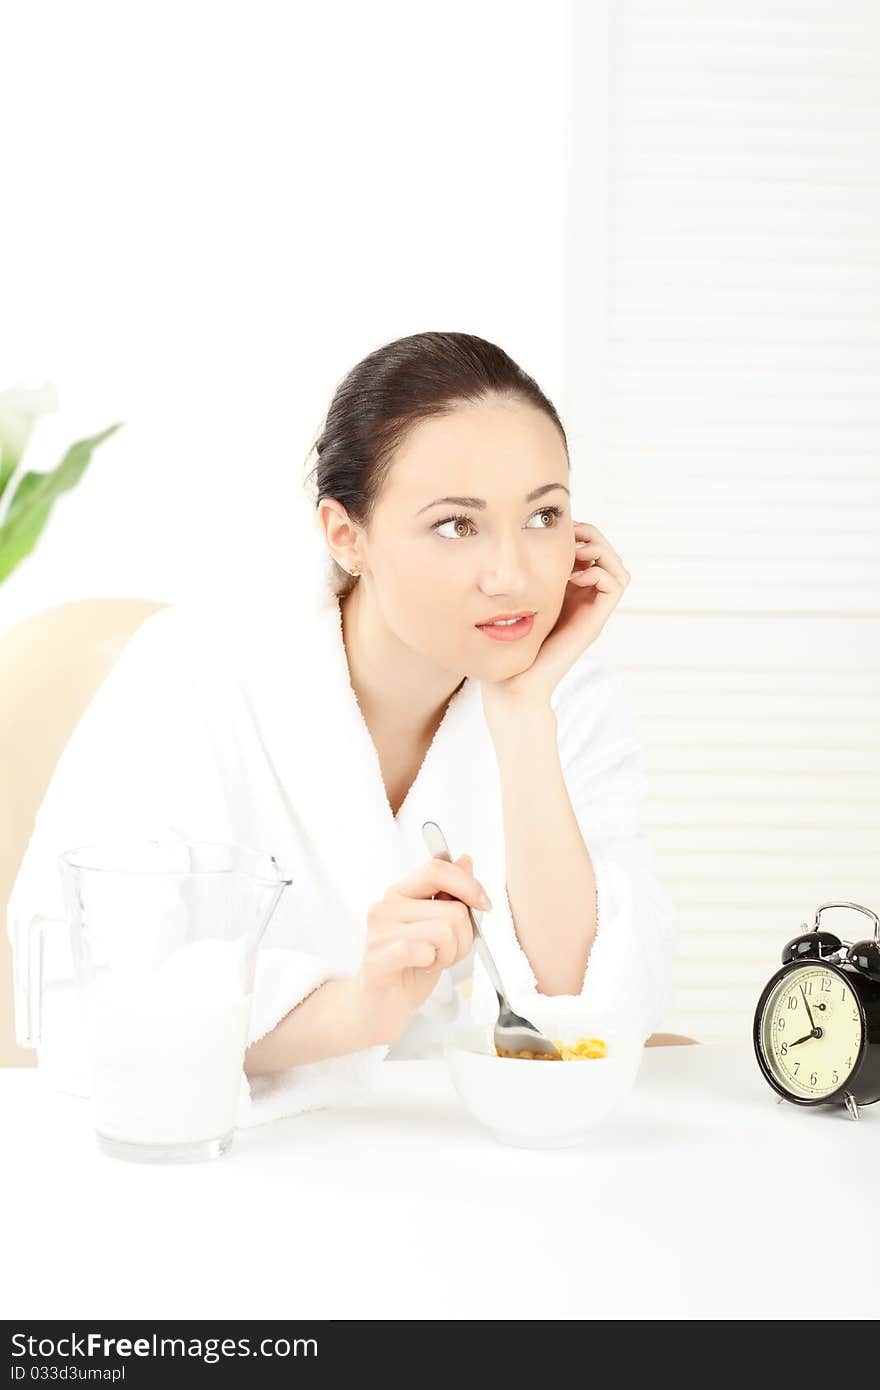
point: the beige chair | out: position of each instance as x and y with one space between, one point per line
51 664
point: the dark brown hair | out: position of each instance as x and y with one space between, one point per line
389 392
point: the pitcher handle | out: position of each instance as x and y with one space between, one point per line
28 939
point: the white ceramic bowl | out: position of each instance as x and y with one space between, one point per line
542 1105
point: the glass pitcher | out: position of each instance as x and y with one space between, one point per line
164 937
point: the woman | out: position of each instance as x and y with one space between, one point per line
397 696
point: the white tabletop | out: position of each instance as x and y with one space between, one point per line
700 1198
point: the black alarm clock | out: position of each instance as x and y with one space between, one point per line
817 1023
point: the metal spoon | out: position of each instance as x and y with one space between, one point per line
512 1033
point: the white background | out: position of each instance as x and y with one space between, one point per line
212 211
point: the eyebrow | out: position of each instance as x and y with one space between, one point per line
480 502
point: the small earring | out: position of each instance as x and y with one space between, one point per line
354 573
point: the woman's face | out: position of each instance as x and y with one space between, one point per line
439 568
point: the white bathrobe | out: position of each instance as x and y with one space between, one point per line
242 725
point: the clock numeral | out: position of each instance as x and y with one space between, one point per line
797 1067
843 995
808 987
855 1017
784 1049
849 1061
826 985
812 1078
834 1075
792 1002
780 1022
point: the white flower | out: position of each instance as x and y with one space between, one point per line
20 406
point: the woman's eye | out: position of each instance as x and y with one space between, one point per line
452 521
555 512
465 521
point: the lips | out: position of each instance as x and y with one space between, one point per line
505 617
507 632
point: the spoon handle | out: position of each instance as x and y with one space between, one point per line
436 842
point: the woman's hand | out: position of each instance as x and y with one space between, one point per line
418 929
595 587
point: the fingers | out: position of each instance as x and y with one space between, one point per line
592 545
450 916
449 930
436 875
441 938
415 926
423 945
466 863
401 953
596 578
459 916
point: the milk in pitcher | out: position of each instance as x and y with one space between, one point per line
167 1047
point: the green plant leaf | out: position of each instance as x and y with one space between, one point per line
35 497
6 472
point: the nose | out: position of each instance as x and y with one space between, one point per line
505 571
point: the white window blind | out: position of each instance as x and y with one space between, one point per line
723 358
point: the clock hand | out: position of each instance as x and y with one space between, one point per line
804 1039
807 1007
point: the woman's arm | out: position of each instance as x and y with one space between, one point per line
334 1019
622 907
417 929
551 886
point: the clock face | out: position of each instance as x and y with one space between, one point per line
811 1030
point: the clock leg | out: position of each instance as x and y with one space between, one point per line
780 1099
851 1105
